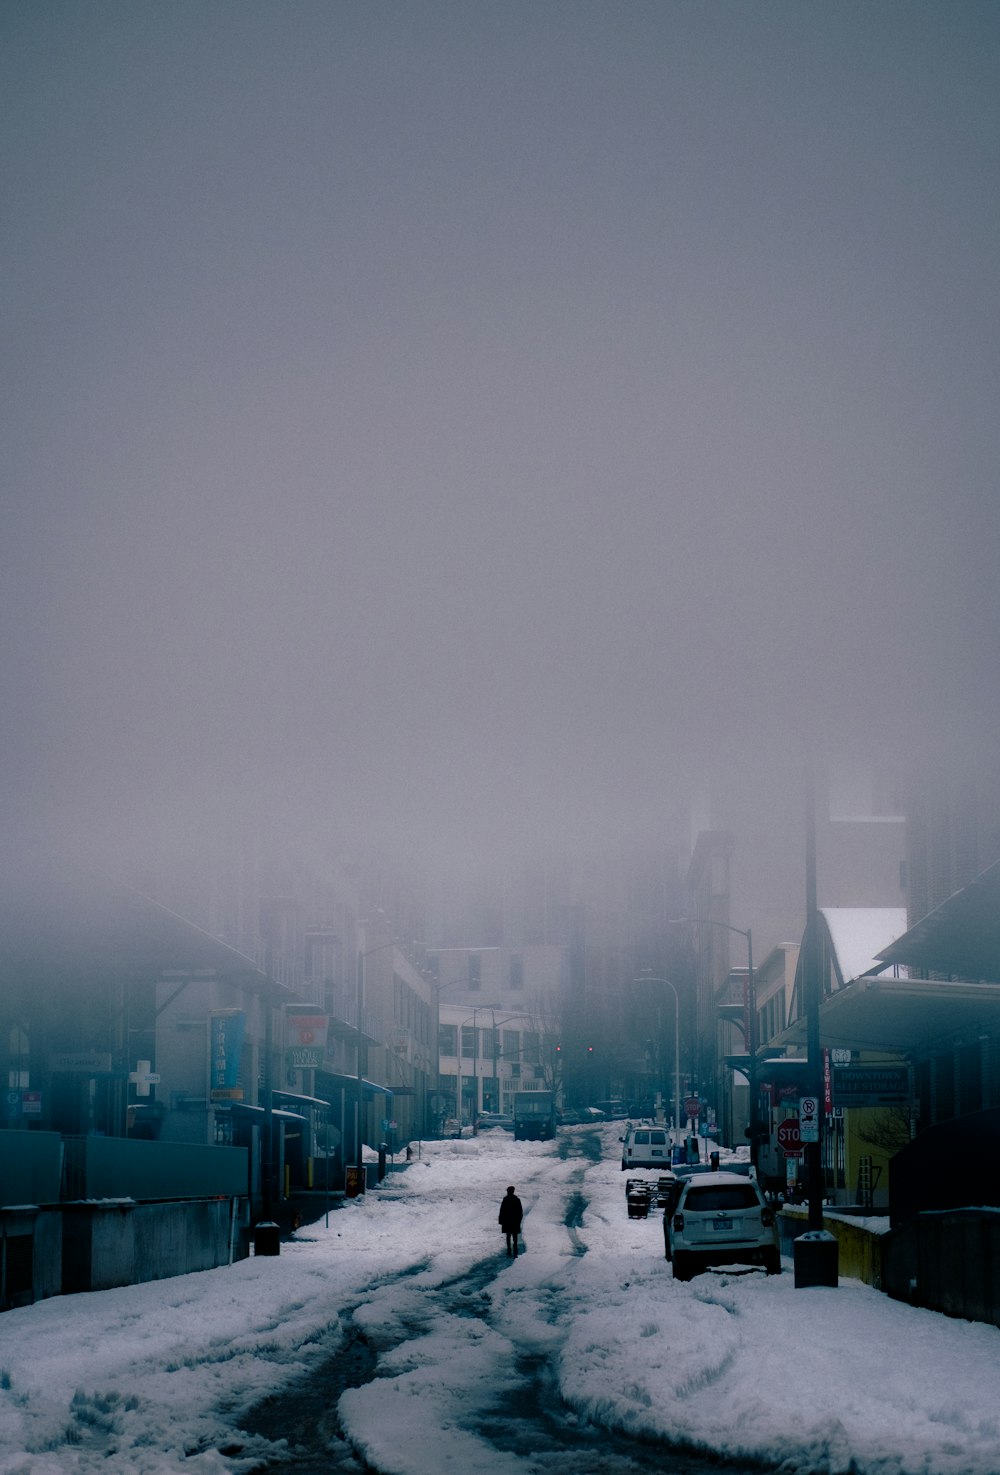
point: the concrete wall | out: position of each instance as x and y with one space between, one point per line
947 1261
109 1244
859 1249
30 1255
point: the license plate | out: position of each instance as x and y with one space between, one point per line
722 1224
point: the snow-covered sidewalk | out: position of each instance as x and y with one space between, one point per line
155 1378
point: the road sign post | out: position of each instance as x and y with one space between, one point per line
809 1119
789 1139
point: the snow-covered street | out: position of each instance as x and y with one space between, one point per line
160 1377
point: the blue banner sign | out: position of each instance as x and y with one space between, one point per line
227 1049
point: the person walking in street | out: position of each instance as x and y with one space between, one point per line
509 1219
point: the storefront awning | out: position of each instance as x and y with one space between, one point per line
294 1099
960 938
332 1080
902 1014
259 1112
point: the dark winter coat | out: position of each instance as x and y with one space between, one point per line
510 1214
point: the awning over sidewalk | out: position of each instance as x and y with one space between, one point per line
332 1080
960 938
258 1113
303 1103
876 1011
902 1014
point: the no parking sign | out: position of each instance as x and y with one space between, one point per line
809 1119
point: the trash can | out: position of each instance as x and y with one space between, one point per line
353 1182
638 1204
815 1256
266 1238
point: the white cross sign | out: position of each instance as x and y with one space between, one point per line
142 1077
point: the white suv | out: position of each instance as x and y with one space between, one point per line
722 1219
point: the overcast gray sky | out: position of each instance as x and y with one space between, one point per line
431 416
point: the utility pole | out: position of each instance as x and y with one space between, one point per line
267 1146
677 1043
359 1094
812 988
816 1251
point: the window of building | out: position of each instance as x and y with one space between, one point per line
18 1077
449 1093
511 1044
468 1042
530 1047
448 1039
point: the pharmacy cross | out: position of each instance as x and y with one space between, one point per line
142 1078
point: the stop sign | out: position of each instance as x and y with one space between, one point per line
692 1106
788 1135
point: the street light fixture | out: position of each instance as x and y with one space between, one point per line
475 1063
647 978
750 1032
359 1102
498 1054
439 989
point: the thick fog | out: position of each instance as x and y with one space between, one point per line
474 424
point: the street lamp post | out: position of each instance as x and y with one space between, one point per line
750 1032
475 1063
498 1053
677 1043
438 990
359 1098
461 1057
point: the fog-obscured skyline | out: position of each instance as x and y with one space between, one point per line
475 424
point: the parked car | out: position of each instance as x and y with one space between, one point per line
721 1219
646 1147
668 1186
581 1116
669 1193
495 1119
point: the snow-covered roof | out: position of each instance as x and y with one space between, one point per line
859 934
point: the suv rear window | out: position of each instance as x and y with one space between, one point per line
641 1137
710 1199
658 1139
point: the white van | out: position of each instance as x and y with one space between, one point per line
646 1147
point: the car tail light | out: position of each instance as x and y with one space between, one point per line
678 1222
767 1217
